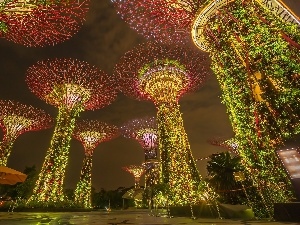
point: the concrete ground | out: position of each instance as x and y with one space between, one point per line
137 217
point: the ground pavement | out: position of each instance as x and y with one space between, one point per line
118 217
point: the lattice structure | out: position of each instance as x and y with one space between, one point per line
16 119
163 74
137 172
145 131
38 23
255 46
163 20
90 133
229 144
72 86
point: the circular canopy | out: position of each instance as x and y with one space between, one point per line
41 23
140 62
67 82
17 118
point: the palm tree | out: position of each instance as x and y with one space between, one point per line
221 169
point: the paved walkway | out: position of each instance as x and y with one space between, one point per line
130 217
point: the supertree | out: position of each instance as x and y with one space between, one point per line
145 131
254 47
229 144
90 133
163 74
41 22
16 119
73 86
137 172
162 20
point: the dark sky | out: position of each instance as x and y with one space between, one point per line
103 39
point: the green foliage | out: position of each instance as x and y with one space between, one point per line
221 168
257 65
24 190
3 27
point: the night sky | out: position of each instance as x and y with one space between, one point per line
103 39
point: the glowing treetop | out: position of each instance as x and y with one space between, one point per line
17 118
145 131
73 86
90 133
137 172
71 83
93 132
41 23
161 73
162 20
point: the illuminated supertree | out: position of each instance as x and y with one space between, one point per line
16 119
255 56
73 86
254 46
137 172
90 133
228 144
41 22
162 20
163 74
145 131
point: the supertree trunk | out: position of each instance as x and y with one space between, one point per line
257 65
5 149
53 169
178 168
84 186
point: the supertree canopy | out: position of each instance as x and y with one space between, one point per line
16 119
145 131
162 20
163 74
137 172
90 133
41 22
73 86
229 144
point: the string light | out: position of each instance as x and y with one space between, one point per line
41 22
166 21
16 119
145 131
72 86
163 74
260 87
254 46
90 133
137 172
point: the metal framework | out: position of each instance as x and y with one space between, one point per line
90 133
38 23
16 119
145 131
163 74
72 86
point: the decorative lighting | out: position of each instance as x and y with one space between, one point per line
137 172
90 133
163 74
72 86
145 131
16 119
254 46
40 23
